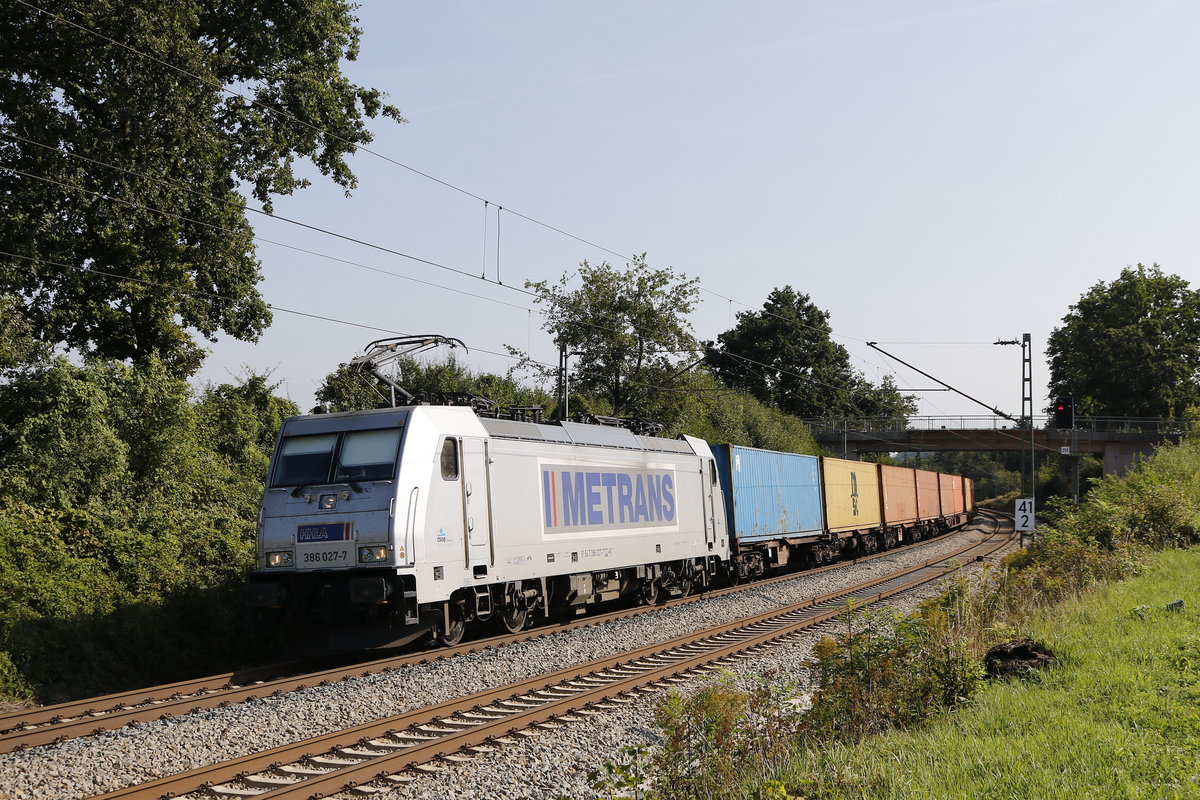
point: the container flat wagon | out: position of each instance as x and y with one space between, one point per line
773 506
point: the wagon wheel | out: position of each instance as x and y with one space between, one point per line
686 584
452 635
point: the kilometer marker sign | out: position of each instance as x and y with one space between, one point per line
1024 515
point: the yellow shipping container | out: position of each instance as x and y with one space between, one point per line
851 494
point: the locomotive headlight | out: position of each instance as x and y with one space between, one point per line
369 555
279 559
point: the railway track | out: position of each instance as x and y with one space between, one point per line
373 757
52 724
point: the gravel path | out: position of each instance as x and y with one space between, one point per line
551 765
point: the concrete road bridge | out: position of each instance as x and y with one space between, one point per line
1119 441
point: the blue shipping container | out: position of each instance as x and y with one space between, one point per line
769 494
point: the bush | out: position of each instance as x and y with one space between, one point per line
719 742
886 671
127 513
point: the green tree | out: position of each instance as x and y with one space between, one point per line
1130 347
239 422
784 355
626 330
57 448
699 405
122 155
17 342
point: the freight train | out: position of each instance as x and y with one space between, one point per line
382 526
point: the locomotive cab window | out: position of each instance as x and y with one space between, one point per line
368 456
325 458
449 459
305 460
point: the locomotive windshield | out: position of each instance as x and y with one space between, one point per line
337 458
368 456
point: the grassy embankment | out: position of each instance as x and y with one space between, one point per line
1119 717
900 707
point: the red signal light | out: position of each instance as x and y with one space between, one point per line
1064 412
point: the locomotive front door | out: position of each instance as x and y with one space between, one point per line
477 506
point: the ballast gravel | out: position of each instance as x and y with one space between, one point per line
551 764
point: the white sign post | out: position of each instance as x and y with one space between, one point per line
1024 515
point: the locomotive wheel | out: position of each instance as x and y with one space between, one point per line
458 627
513 618
514 611
650 592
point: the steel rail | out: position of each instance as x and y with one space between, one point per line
367 752
57 723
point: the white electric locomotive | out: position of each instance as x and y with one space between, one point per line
402 522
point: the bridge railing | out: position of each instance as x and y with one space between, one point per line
1154 425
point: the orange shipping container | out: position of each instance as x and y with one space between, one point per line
957 482
851 494
950 487
969 494
899 494
929 504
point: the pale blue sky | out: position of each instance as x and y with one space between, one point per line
947 171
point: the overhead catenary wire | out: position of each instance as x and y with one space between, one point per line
849 391
211 81
247 207
529 218
295 248
202 293
263 212
291 117
185 218
360 147
272 215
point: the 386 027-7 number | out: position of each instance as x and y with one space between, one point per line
325 557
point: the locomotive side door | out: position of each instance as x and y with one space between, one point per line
714 513
477 506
